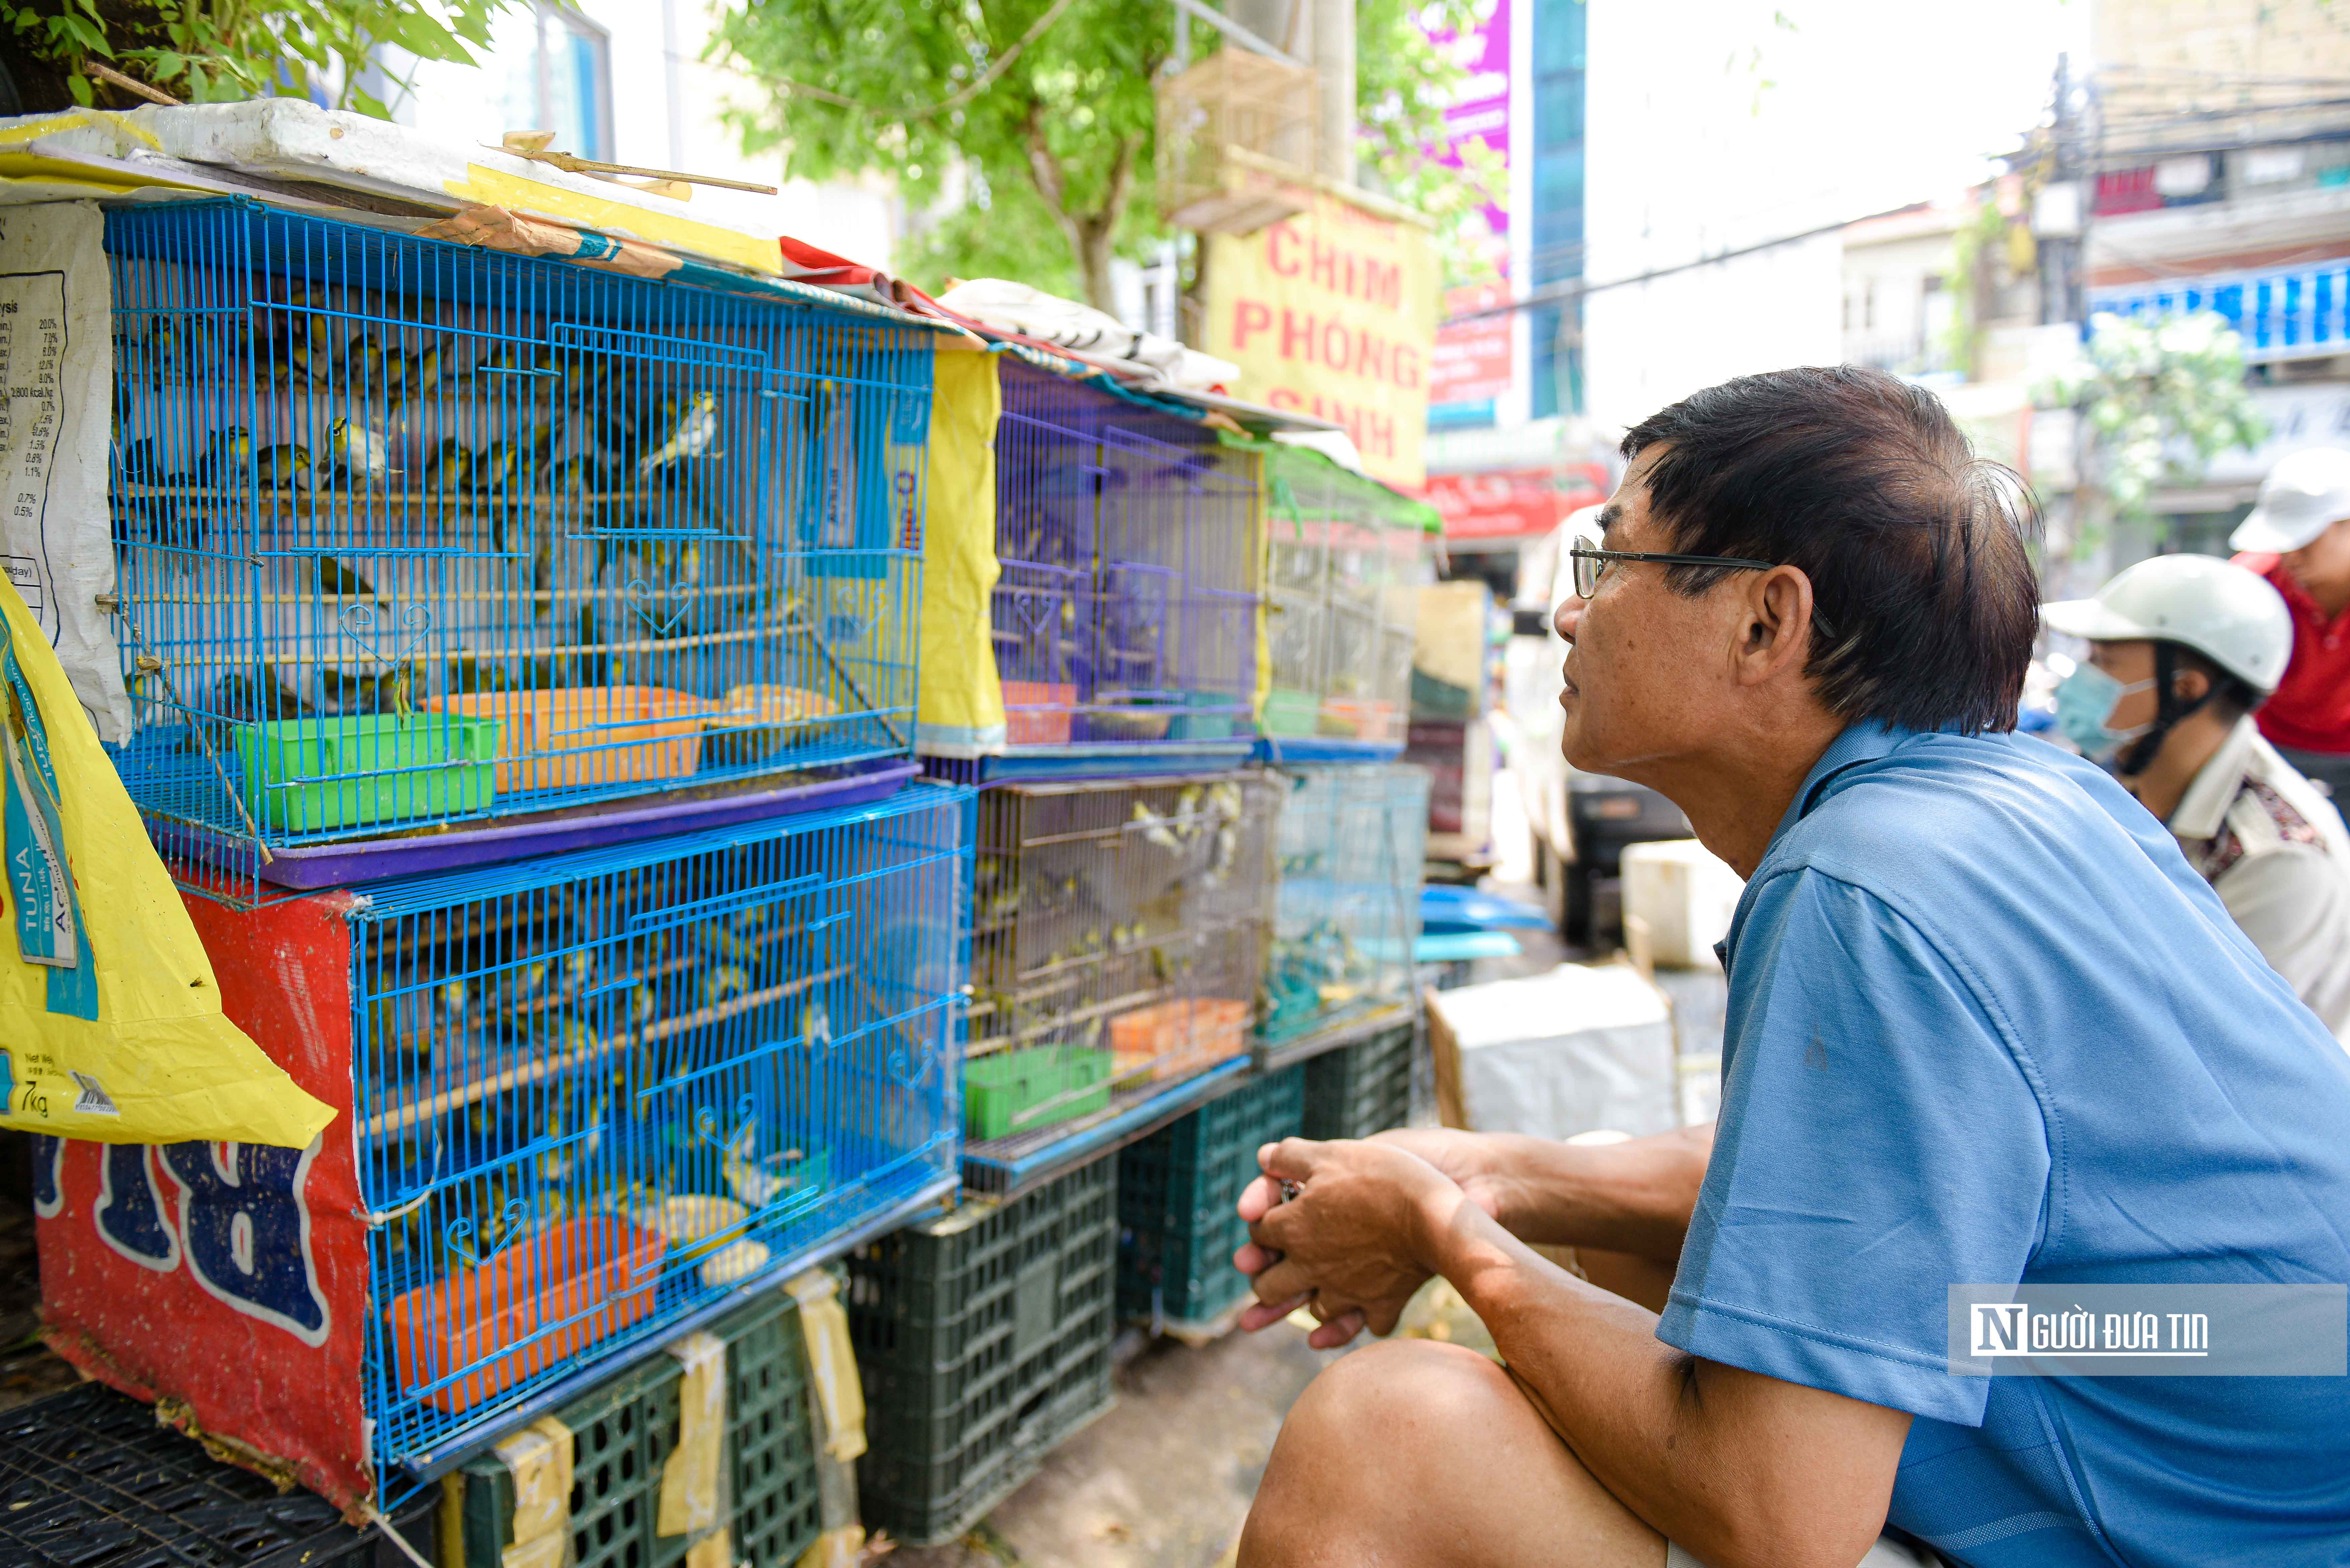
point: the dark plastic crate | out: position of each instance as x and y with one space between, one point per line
983 1340
1360 1089
88 1478
1178 1190
623 1433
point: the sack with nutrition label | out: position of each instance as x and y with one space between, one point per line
110 1025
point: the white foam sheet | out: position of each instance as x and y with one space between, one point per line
1582 1048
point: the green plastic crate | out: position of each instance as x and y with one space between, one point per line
1179 1224
1360 1089
984 1341
624 1431
316 776
1016 1091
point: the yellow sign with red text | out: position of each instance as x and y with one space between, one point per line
1333 313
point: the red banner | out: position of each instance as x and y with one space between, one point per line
232 1278
1471 360
1514 502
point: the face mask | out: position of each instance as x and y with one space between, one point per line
2084 701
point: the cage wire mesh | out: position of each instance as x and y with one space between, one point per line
1347 559
1239 135
1118 939
1347 912
411 532
1124 605
599 1091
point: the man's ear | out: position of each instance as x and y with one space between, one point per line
1776 613
2189 685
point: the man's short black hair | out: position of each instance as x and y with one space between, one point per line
1925 596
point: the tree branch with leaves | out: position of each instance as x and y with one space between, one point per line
2156 401
209 51
1033 125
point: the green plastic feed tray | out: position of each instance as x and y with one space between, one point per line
1015 1091
316 776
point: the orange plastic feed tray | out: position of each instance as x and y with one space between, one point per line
1364 718
576 736
580 1281
1035 728
1176 1039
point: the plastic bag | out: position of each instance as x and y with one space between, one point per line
110 1025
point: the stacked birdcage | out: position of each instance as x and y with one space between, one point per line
522 665
1122 615
1118 939
413 535
589 1100
1346 557
1346 914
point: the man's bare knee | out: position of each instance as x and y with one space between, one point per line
1410 1450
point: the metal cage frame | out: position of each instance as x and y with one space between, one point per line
415 534
1123 614
667 1070
1346 905
1118 930
1346 559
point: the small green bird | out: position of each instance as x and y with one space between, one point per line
450 468
497 466
226 458
285 466
695 427
310 351
362 455
341 581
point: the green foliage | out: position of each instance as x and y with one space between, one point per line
207 51
1402 88
1056 133
896 85
993 235
2156 401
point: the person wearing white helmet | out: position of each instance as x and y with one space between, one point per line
2298 537
2183 648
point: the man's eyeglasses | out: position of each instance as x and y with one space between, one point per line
1591 563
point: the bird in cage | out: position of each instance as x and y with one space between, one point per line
450 468
226 459
408 379
285 466
363 457
310 351
685 429
498 466
723 983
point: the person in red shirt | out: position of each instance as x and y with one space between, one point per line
2298 537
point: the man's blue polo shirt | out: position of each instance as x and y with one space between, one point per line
1986 1025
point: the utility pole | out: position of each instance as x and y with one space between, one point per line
1322 32
2063 296
1333 64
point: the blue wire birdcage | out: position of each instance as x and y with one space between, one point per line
413 534
1351 850
1124 610
597 1095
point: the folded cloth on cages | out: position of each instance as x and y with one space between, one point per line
293 138
999 302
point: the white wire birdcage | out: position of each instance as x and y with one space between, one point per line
1237 140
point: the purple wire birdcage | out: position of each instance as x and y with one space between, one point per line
1123 615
